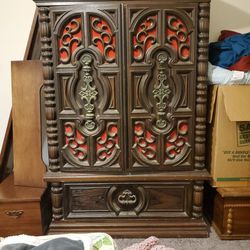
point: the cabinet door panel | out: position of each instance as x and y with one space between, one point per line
161 86
89 86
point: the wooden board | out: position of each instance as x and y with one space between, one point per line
27 80
6 152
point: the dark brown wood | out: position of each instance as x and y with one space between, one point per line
26 85
171 176
23 210
125 99
131 228
230 212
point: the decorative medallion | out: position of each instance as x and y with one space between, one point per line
124 200
127 197
88 92
161 91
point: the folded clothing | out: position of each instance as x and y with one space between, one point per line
55 244
218 75
88 241
242 65
227 52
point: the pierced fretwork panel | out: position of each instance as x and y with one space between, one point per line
178 36
171 150
78 147
161 86
70 38
88 28
89 82
144 36
103 38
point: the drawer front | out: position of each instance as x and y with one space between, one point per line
133 199
20 218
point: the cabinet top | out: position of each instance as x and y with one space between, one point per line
68 2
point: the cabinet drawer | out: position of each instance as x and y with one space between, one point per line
20 218
123 200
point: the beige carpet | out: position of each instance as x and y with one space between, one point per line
211 243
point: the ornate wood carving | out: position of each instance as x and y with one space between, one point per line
49 89
144 37
103 37
70 39
178 35
107 144
230 221
161 92
201 89
57 199
128 101
177 145
145 144
75 144
78 151
197 199
88 92
127 200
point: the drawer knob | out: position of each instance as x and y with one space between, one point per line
14 213
127 198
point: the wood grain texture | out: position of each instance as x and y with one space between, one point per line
229 214
23 210
32 52
6 156
26 83
157 110
132 229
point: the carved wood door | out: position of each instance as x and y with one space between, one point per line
161 85
125 86
89 84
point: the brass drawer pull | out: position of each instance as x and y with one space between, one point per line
14 213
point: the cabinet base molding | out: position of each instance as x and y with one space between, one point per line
132 228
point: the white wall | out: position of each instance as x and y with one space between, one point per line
16 19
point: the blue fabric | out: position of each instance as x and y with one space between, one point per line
229 51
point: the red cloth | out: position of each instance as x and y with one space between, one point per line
243 64
226 33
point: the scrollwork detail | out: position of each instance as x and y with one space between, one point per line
144 141
105 37
107 143
178 32
161 92
127 197
144 38
177 141
71 36
76 143
88 92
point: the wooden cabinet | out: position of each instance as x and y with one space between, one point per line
228 211
23 210
125 100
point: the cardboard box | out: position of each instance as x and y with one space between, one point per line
229 135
